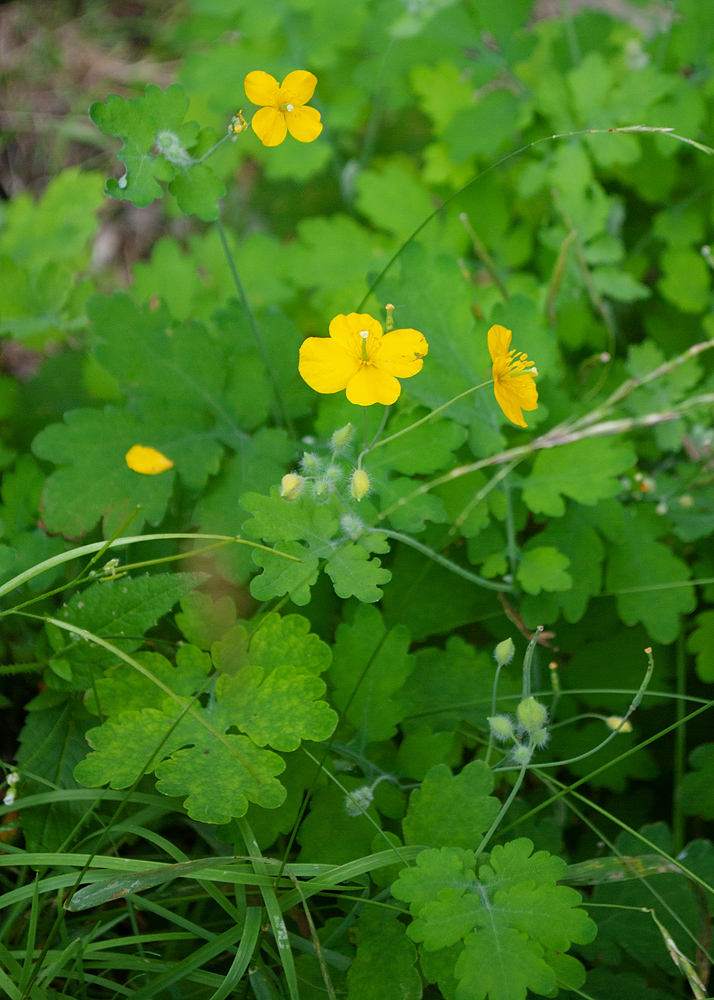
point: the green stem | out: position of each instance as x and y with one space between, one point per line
680 749
484 256
257 335
423 420
213 148
442 560
502 812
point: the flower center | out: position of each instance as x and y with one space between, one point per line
287 107
364 334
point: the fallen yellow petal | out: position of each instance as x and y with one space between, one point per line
147 461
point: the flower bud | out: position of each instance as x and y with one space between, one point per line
333 474
352 525
615 722
522 754
540 738
532 715
358 801
359 484
321 490
291 486
501 727
310 463
504 651
342 438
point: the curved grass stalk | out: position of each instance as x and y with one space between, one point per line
512 155
94 547
442 560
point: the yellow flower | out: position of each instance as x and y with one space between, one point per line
613 721
147 461
513 384
360 358
282 107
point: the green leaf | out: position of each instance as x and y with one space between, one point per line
383 967
329 831
282 576
203 621
355 573
124 689
278 709
483 129
52 742
586 471
635 560
425 450
274 704
686 281
155 122
512 917
701 643
58 227
451 810
544 568
370 664
197 191
575 538
288 640
695 790
393 199
259 462
94 480
454 684
120 611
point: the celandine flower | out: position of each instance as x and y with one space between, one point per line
359 357
147 461
283 106
513 384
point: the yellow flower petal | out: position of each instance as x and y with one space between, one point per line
298 87
269 125
303 123
401 352
346 330
516 394
370 385
499 341
325 365
147 461
261 88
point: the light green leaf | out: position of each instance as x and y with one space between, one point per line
701 643
204 621
383 967
544 568
586 471
370 664
451 810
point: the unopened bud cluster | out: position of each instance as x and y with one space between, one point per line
321 477
526 732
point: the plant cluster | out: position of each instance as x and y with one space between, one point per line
356 564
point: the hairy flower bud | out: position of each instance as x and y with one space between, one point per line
352 525
342 438
501 727
532 715
504 651
310 463
359 484
358 801
321 490
291 486
522 754
333 474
